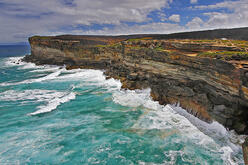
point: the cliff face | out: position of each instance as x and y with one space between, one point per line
211 86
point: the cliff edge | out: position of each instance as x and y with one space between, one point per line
209 78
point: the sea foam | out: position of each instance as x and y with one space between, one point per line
169 117
54 103
173 117
50 98
50 76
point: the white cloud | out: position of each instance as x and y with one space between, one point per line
151 28
19 19
22 18
195 23
233 5
175 18
193 1
162 16
236 16
86 11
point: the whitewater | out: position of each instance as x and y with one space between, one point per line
50 115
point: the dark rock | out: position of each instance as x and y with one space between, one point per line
219 108
211 89
239 127
229 122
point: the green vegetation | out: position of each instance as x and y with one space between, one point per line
237 43
139 39
134 39
116 45
203 41
241 54
41 37
225 55
101 46
159 48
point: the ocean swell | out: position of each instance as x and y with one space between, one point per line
172 119
169 120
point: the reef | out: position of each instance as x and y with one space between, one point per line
207 77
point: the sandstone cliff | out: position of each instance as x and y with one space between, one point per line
209 78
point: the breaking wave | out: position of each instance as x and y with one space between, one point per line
50 98
169 119
54 103
213 136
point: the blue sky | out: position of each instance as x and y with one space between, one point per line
20 19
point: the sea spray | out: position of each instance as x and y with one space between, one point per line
94 121
213 136
53 104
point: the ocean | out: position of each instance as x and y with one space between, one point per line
50 115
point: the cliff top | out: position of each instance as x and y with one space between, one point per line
226 44
233 51
235 34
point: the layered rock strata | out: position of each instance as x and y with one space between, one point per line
209 88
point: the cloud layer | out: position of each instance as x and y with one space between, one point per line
22 18
174 18
235 16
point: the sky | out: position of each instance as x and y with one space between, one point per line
20 19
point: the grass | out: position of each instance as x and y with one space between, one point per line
203 41
237 43
116 45
159 49
144 48
41 37
101 46
134 39
139 39
225 55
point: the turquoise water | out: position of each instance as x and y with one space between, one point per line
49 115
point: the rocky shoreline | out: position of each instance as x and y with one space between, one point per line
209 88
208 78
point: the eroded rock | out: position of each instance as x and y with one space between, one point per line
209 88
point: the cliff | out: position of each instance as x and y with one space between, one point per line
209 78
